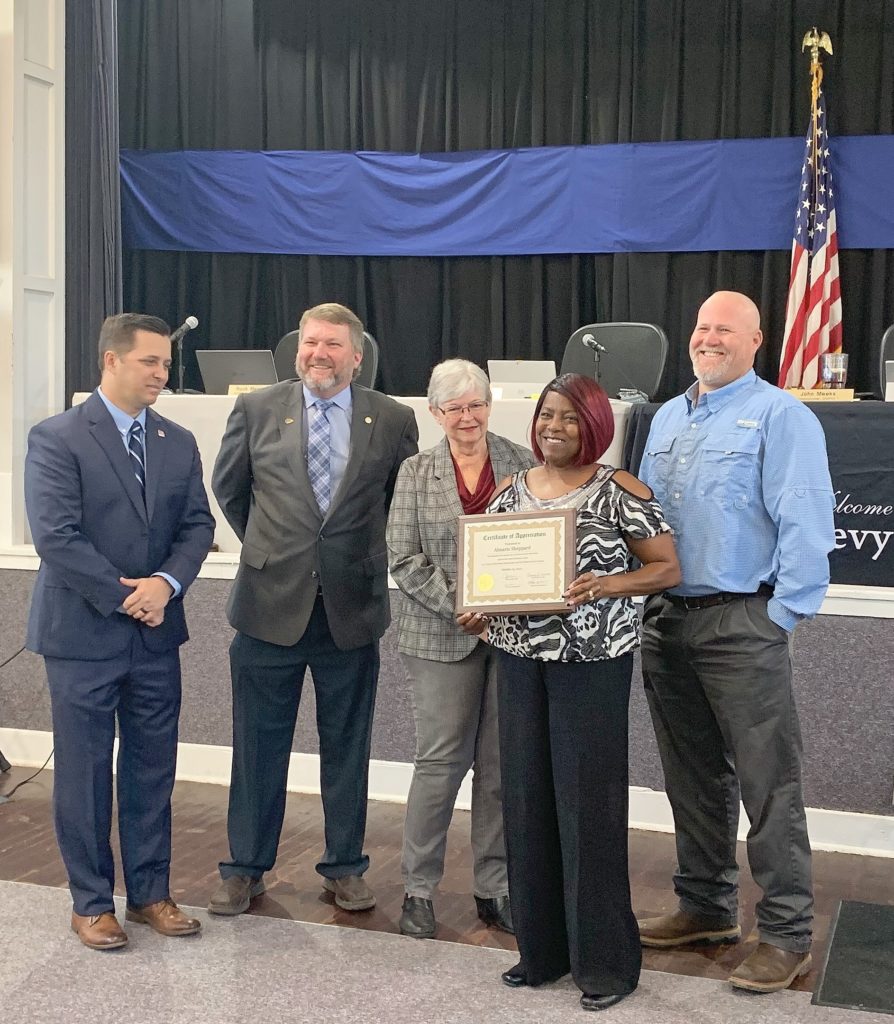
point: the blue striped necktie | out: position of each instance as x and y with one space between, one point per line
318 454
137 455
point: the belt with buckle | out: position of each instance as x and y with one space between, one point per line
712 600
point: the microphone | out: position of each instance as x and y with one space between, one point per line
590 342
177 343
188 324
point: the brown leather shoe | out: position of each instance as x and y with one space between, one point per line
165 917
682 929
770 969
234 895
351 892
101 931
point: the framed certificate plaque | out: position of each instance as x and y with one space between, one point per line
515 562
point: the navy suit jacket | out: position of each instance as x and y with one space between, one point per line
90 526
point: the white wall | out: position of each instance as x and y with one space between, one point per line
32 239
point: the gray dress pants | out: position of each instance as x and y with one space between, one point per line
455 708
719 685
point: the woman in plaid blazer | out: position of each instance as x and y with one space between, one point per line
450 673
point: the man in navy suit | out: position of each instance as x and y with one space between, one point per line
120 519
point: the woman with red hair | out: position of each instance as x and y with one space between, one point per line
564 689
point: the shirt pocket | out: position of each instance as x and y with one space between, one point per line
659 451
730 468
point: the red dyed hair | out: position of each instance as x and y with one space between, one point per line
595 419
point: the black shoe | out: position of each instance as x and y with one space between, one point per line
417 918
515 977
496 912
591 1001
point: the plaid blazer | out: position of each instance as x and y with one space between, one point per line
421 540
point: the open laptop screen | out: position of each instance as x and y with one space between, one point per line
522 371
221 367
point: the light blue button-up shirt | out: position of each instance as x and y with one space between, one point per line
124 421
743 478
339 416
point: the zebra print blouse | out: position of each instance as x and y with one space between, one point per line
606 627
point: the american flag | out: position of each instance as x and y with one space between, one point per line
813 314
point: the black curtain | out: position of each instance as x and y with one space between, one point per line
93 265
409 75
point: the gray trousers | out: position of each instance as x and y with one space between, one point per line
455 708
719 685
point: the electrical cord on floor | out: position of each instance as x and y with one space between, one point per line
6 797
12 657
4 764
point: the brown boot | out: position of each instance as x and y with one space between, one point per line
351 892
165 917
101 931
770 969
682 929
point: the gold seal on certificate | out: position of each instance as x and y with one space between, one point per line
515 561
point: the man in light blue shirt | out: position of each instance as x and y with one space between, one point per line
741 471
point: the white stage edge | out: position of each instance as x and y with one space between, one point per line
870 835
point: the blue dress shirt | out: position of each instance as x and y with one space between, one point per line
743 479
124 421
339 416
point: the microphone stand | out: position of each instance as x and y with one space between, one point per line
180 364
597 352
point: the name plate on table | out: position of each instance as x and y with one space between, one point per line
515 562
245 389
823 394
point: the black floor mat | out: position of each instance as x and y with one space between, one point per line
859 969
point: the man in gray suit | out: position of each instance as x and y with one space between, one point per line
305 475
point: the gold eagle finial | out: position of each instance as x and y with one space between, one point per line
817 41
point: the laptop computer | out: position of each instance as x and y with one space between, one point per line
221 367
519 378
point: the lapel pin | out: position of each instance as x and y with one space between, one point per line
368 419
289 419
161 433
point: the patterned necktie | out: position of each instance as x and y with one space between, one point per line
318 454
137 455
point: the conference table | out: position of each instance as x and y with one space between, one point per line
206 416
859 440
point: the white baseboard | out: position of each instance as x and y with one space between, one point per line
841 599
838 831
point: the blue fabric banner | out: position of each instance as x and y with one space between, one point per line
643 197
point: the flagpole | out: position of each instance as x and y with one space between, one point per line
813 306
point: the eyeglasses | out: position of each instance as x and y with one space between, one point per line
455 412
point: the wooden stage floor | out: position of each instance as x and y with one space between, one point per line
28 853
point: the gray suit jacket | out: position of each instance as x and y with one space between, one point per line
289 550
422 547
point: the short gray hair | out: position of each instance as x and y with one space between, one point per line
453 378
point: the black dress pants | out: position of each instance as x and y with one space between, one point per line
563 753
267 684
